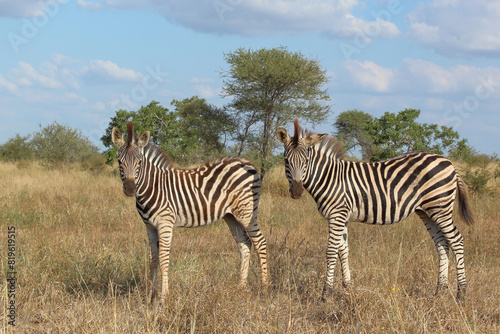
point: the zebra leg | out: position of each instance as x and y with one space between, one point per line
441 247
244 246
456 242
335 239
344 260
260 244
153 261
248 220
165 229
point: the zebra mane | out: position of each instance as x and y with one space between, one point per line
329 144
160 159
157 156
130 133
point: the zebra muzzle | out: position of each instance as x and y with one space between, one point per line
129 187
296 189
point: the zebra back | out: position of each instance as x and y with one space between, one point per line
196 196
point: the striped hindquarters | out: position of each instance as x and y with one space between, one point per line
389 191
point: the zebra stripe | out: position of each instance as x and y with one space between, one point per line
384 192
168 197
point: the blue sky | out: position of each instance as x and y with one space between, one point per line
77 62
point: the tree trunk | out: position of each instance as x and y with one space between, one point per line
266 145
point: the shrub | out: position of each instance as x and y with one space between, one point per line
477 180
16 149
95 163
58 144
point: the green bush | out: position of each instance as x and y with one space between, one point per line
55 146
58 144
477 180
16 149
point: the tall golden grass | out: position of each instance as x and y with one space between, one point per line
82 262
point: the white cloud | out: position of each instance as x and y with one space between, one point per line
61 79
58 73
370 76
203 91
26 75
196 80
458 28
29 8
105 71
11 87
202 87
253 18
416 77
89 5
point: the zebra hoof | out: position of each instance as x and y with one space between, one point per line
347 285
243 286
441 288
327 292
461 294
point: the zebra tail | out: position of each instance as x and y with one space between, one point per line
463 202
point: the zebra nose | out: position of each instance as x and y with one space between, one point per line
129 187
297 189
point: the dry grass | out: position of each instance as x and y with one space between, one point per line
82 259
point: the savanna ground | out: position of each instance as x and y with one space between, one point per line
82 263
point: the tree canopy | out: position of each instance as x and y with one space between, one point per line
207 126
270 87
392 134
155 118
192 132
351 128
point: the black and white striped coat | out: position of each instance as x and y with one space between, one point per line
166 196
382 192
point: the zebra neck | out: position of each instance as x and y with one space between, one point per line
155 156
151 177
324 172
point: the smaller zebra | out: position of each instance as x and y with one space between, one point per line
166 196
384 192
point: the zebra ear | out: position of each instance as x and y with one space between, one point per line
313 139
143 139
282 135
117 137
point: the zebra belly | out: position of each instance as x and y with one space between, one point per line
190 218
383 216
182 221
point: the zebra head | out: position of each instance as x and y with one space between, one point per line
129 156
297 152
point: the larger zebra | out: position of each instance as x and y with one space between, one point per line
227 188
382 192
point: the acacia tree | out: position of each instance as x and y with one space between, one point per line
270 87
